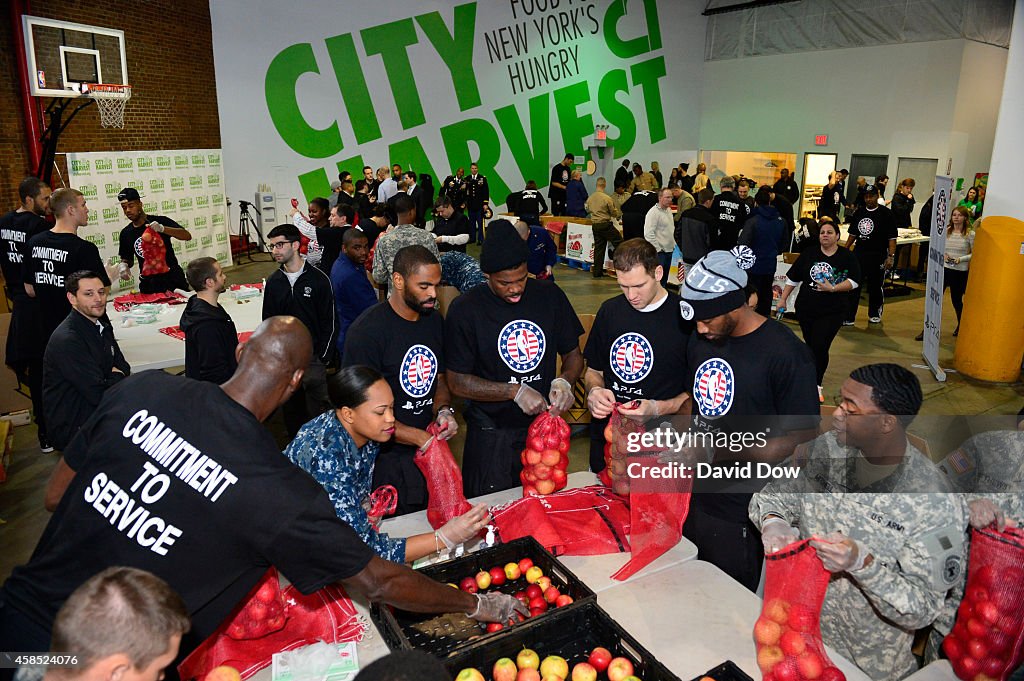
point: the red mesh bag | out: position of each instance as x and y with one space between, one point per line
262 611
788 634
616 437
546 456
382 502
325 615
154 252
585 521
444 481
987 640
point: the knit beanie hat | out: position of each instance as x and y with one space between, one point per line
714 285
503 248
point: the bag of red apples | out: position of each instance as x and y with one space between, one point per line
788 634
987 641
444 481
616 437
154 252
546 456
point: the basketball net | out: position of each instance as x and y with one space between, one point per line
110 100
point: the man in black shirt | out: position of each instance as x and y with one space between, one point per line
419 197
730 213
131 245
210 334
82 359
637 347
696 227
530 204
560 176
451 227
453 188
787 187
622 175
301 290
403 339
180 478
501 342
330 238
634 212
750 376
24 350
873 230
477 195
686 180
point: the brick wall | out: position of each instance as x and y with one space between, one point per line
169 50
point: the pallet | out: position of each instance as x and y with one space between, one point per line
575 264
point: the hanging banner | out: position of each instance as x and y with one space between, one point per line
943 207
186 185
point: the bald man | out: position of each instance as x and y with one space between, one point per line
180 478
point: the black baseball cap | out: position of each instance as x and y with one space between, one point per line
129 194
870 189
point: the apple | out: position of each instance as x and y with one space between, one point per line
953 647
527 659
469 585
469 674
631 678
536 443
976 628
802 619
986 576
563 601
512 571
483 579
553 665
584 671
768 657
600 658
532 457
257 610
504 670
542 472
976 594
521 597
552 677
528 675
987 612
999 641
977 648
619 668
533 591
608 432
786 672
809 665
993 666
494 626
538 604
558 476
544 583
236 631
223 673
533 574
793 643
497 576
536 612
832 674
563 446
767 632
545 487
550 457
777 610
551 594
525 564
970 666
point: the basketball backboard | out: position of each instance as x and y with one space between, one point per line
60 56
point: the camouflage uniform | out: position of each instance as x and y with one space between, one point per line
986 466
325 450
394 240
870 615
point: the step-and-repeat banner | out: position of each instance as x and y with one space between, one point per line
186 185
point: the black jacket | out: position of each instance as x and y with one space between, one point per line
902 206
78 366
210 341
311 300
456 225
693 233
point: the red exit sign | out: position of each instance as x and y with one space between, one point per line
821 140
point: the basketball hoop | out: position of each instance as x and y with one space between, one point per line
111 100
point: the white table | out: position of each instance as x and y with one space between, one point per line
146 348
940 670
692 617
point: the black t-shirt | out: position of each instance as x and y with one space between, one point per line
130 243
743 386
560 174
330 240
456 225
813 268
872 229
831 199
410 356
510 343
175 477
50 258
15 231
641 354
730 213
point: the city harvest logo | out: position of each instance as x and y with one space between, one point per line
213 180
89 191
112 214
185 203
631 357
714 386
163 162
217 199
157 184
195 181
218 219
177 183
168 205
180 161
94 216
198 161
80 166
115 237
222 237
192 245
200 222
149 206
202 201
98 239
124 164
213 160
104 166
112 189
521 345
222 256
144 163
418 371
206 241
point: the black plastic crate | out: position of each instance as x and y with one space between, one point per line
403 630
570 633
727 671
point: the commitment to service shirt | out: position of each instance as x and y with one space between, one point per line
410 356
872 229
812 269
130 242
641 354
510 343
175 477
51 257
15 231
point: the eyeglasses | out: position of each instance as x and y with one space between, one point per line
278 245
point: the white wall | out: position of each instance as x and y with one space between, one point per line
1003 197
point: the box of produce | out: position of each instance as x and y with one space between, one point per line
582 643
727 671
521 567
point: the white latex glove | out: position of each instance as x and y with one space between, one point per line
600 402
984 512
446 424
156 227
840 553
776 534
495 606
560 395
530 401
124 271
462 528
640 410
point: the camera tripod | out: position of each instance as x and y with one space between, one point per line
246 223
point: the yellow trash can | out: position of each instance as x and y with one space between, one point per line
991 342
